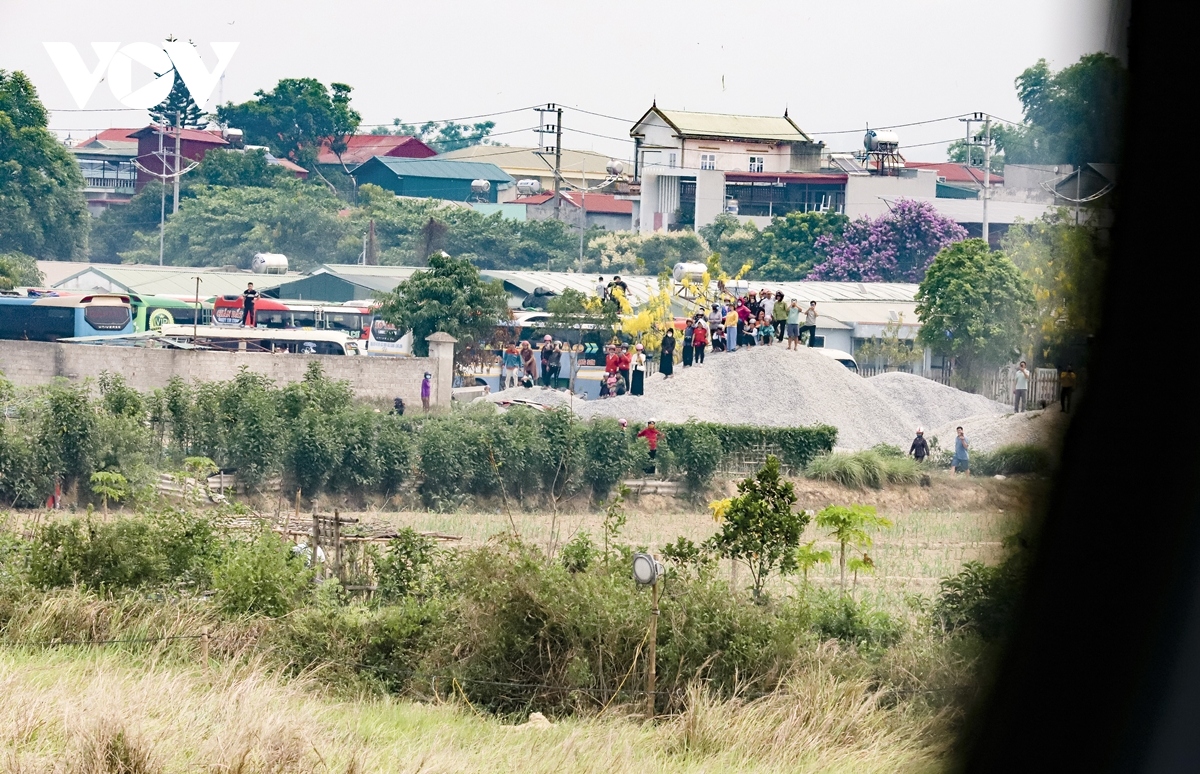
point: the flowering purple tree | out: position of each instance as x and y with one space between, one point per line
895 247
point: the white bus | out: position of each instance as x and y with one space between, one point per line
278 341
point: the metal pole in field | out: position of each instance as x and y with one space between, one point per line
987 175
652 652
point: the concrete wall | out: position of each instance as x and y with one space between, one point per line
710 196
32 363
863 191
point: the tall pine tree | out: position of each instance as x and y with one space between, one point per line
179 101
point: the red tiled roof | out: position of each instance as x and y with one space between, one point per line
110 135
292 167
600 203
955 172
360 148
189 135
535 199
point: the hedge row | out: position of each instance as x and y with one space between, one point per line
319 439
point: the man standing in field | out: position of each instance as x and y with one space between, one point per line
1021 389
426 390
962 460
248 297
810 322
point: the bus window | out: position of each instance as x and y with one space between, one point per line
342 321
385 332
304 318
105 317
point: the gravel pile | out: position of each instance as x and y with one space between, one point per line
931 404
988 432
768 386
541 395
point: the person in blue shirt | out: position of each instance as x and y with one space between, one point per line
962 460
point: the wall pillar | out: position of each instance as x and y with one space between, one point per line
441 352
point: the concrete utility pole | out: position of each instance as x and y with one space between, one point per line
987 175
178 134
558 164
162 208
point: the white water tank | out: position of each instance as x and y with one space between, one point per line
269 263
480 186
529 187
876 140
692 272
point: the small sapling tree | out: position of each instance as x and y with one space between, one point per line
110 486
759 526
808 557
848 525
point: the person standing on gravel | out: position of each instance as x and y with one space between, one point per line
810 323
1021 388
623 363
637 387
528 362
731 331
699 340
716 318
920 447
779 314
962 459
512 363
689 339
666 356
548 361
793 325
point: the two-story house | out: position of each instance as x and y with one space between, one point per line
694 166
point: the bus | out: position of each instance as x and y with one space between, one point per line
276 341
50 318
150 313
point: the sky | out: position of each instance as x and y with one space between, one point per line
835 66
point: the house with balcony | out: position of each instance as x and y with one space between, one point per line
692 166
106 161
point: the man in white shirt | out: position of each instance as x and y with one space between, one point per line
810 322
1021 390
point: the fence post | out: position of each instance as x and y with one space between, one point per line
652 653
204 647
316 539
337 544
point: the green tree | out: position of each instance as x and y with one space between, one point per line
973 304
442 136
110 486
574 309
449 297
1065 264
808 557
42 209
760 527
179 103
848 525
1073 115
17 269
241 169
789 245
295 118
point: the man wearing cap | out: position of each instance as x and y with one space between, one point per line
920 447
426 390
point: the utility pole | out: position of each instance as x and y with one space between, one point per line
556 130
162 209
162 174
987 176
196 310
651 653
178 135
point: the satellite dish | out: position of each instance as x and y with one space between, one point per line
646 569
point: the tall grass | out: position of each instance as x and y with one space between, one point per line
107 714
863 469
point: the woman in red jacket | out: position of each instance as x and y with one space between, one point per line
650 433
699 340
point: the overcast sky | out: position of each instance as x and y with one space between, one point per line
836 66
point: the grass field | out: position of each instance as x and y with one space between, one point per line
107 713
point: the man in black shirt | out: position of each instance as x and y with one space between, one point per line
248 296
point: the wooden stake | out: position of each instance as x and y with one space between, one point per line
204 647
337 544
316 538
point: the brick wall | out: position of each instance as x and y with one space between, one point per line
30 363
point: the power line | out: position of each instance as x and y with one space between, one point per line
460 118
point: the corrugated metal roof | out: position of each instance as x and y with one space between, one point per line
189 135
524 162
441 168
957 173
766 128
167 280
361 148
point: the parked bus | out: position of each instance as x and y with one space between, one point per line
151 313
277 341
50 318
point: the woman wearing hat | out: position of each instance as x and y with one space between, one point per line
638 371
666 358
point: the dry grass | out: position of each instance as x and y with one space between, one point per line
105 713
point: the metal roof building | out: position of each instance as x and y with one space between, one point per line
432 178
176 281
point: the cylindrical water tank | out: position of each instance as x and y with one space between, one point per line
877 140
269 263
528 187
692 272
615 168
480 186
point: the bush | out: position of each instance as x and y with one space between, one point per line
261 576
864 469
979 598
1012 459
404 568
606 452
838 616
578 554
128 553
901 470
699 454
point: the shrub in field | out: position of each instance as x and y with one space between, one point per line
980 597
606 449
888 450
760 527
848 525
171 547
855 471
395 451
837 616
699 453
901 470
1012 459
261 576
27 468
578 554
404 567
